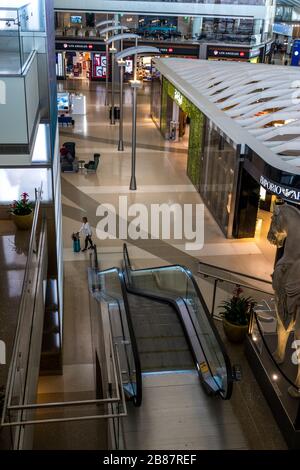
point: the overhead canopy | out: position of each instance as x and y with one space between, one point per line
112 28
118 37
141 50
254 104
105 23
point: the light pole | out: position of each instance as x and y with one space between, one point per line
135 85
98 25
112 40
122 64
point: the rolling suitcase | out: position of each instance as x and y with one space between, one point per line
76 245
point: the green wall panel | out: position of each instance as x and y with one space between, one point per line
196 128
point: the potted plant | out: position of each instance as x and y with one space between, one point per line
22 212
236 315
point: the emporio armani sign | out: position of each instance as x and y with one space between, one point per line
281 191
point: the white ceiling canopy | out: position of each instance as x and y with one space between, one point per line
254 104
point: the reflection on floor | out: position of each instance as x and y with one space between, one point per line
161 177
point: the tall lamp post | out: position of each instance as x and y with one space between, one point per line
135 84
122 64
113 50
99 25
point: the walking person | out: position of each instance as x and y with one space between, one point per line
87 233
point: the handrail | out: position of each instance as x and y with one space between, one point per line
22 405
235 283
26 282
208 316
253 278
253 313
119 398
138 371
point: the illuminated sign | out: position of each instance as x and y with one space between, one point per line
227 53
291 194
178 97
79 46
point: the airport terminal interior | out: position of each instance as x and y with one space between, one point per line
149 225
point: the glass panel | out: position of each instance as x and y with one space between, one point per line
111 292
18 29
219 158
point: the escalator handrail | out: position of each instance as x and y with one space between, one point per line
209 318
236 273
136 356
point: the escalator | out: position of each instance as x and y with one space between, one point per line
159 323
173 328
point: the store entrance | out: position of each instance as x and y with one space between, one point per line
179 124
78 65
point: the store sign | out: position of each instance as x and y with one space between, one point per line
227 53
178 97
79 46
166 50
282 191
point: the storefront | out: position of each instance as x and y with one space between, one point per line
81 60
145 66
235 174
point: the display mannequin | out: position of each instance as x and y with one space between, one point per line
285 230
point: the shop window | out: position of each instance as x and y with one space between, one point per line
217 175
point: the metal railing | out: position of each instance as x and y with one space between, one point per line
224 281
262 314
19 410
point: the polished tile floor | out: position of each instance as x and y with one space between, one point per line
161 177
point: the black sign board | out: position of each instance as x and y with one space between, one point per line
169 49
79 46
227 53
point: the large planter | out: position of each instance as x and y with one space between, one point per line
235 333
23 222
